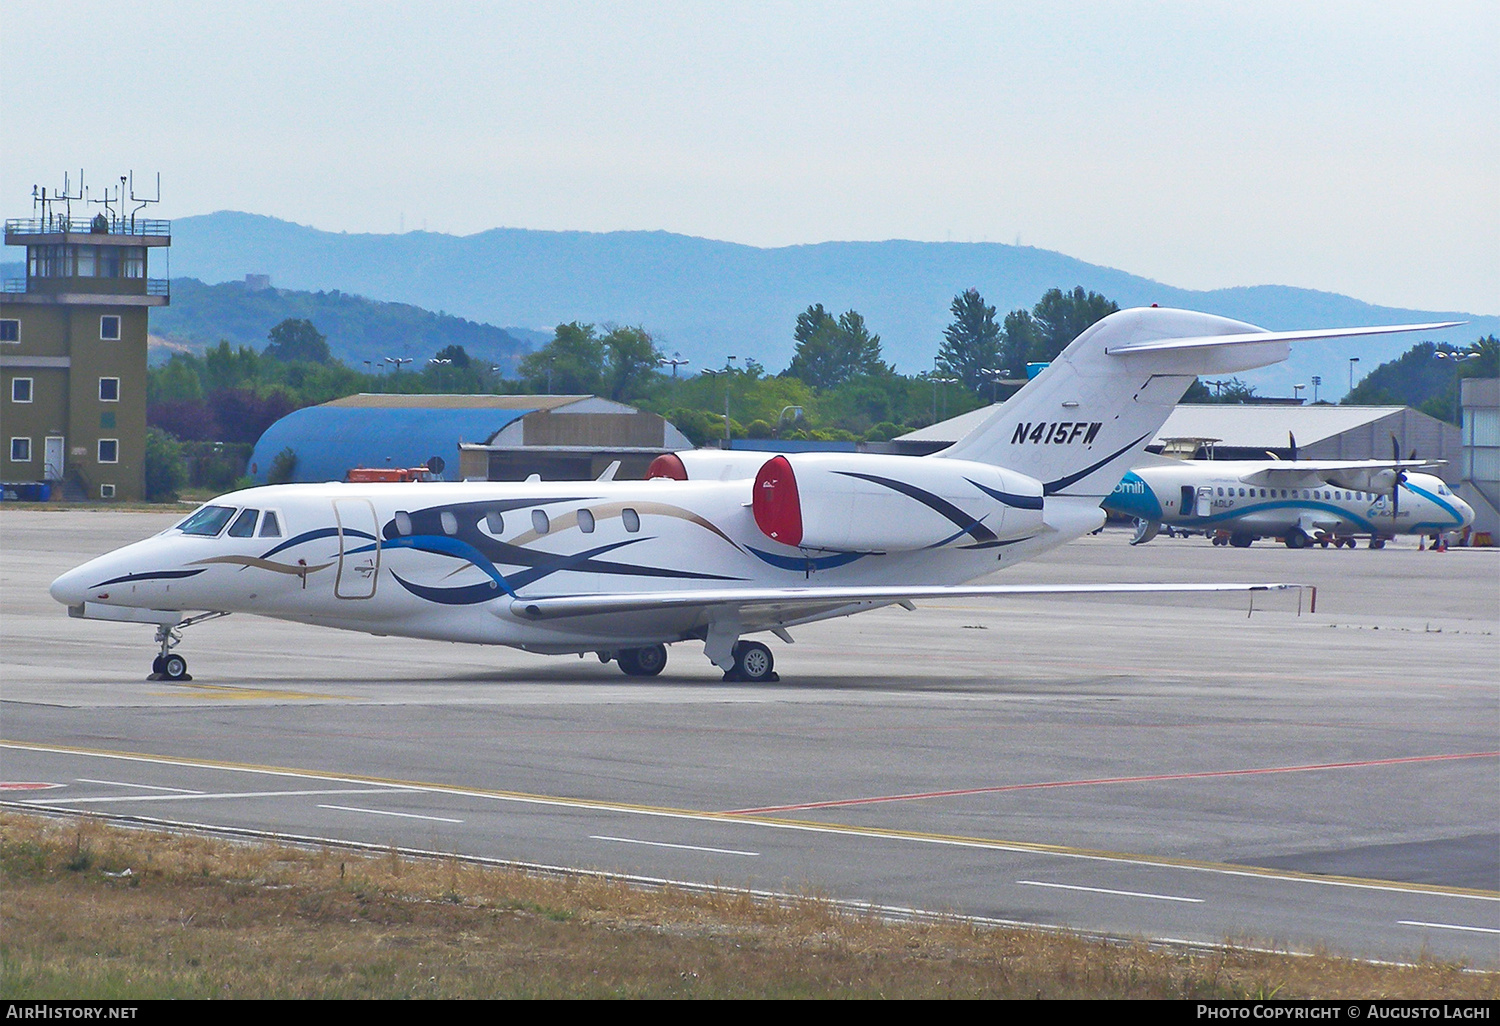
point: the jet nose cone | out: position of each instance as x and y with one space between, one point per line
69 588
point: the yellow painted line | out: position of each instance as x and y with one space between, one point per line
232 692
812 826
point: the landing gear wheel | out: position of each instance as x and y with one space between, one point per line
1219 539
156 665
174 667
1241 540
753 662
1377 543
1296 538
643 662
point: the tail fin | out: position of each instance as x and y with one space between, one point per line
1082 422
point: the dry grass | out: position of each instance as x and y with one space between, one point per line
197 917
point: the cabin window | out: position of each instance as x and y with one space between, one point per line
270 527
208 521
631 520
403 523
244 524
1242 493
494 522
539 521
586 521
449 522
1221 491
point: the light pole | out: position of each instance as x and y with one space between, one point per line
1352 361
776 433
675 362
728 360
1297 392
1316 380
1458 361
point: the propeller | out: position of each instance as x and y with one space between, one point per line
1400 480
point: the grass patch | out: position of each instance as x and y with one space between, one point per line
155 915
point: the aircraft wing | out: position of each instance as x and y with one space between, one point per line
1359 475
798 602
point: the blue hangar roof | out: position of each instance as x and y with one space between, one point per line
328 440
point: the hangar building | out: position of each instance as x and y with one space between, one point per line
477 437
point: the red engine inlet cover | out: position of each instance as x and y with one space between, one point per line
668 464
776 505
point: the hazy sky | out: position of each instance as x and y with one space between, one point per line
1353 147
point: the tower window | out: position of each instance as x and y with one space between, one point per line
109 390
10 330
20 390
109 450
109 327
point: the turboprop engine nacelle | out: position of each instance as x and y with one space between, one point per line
872 503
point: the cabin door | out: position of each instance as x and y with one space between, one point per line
359 549
1205 502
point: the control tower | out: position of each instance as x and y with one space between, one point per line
73 344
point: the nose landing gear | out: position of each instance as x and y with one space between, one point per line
167 665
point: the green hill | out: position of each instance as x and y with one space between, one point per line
358 329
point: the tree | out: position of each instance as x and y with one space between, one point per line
571 364
831 352
166 471
295 339
1061 317
454 355
631 354
971 344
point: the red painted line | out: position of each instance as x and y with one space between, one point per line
1109 780
26 785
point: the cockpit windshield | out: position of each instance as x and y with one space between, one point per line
207 521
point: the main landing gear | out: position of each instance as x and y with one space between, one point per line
754 663
642 662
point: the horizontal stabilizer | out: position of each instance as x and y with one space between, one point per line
1303 335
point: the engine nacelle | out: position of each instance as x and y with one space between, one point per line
706 465
872 503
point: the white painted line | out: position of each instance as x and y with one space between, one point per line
1449 926
148 787
664 844
1106 890
748 822
227 794
382 812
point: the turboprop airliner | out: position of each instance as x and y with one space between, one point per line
713 547
1301 502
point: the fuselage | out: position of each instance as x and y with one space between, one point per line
447 561
1215 495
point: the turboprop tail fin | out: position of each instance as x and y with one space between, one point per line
1082 422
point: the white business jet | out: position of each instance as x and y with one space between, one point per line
1301 502
715 546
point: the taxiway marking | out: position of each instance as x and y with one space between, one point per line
664 844
193 796
382 812
148 787
1448 926
1098 781
1106 890
808 826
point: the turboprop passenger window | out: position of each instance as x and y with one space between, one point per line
403 522
631 519
449 522
270 527
494 523
539 521
208 521
244 524
586 521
